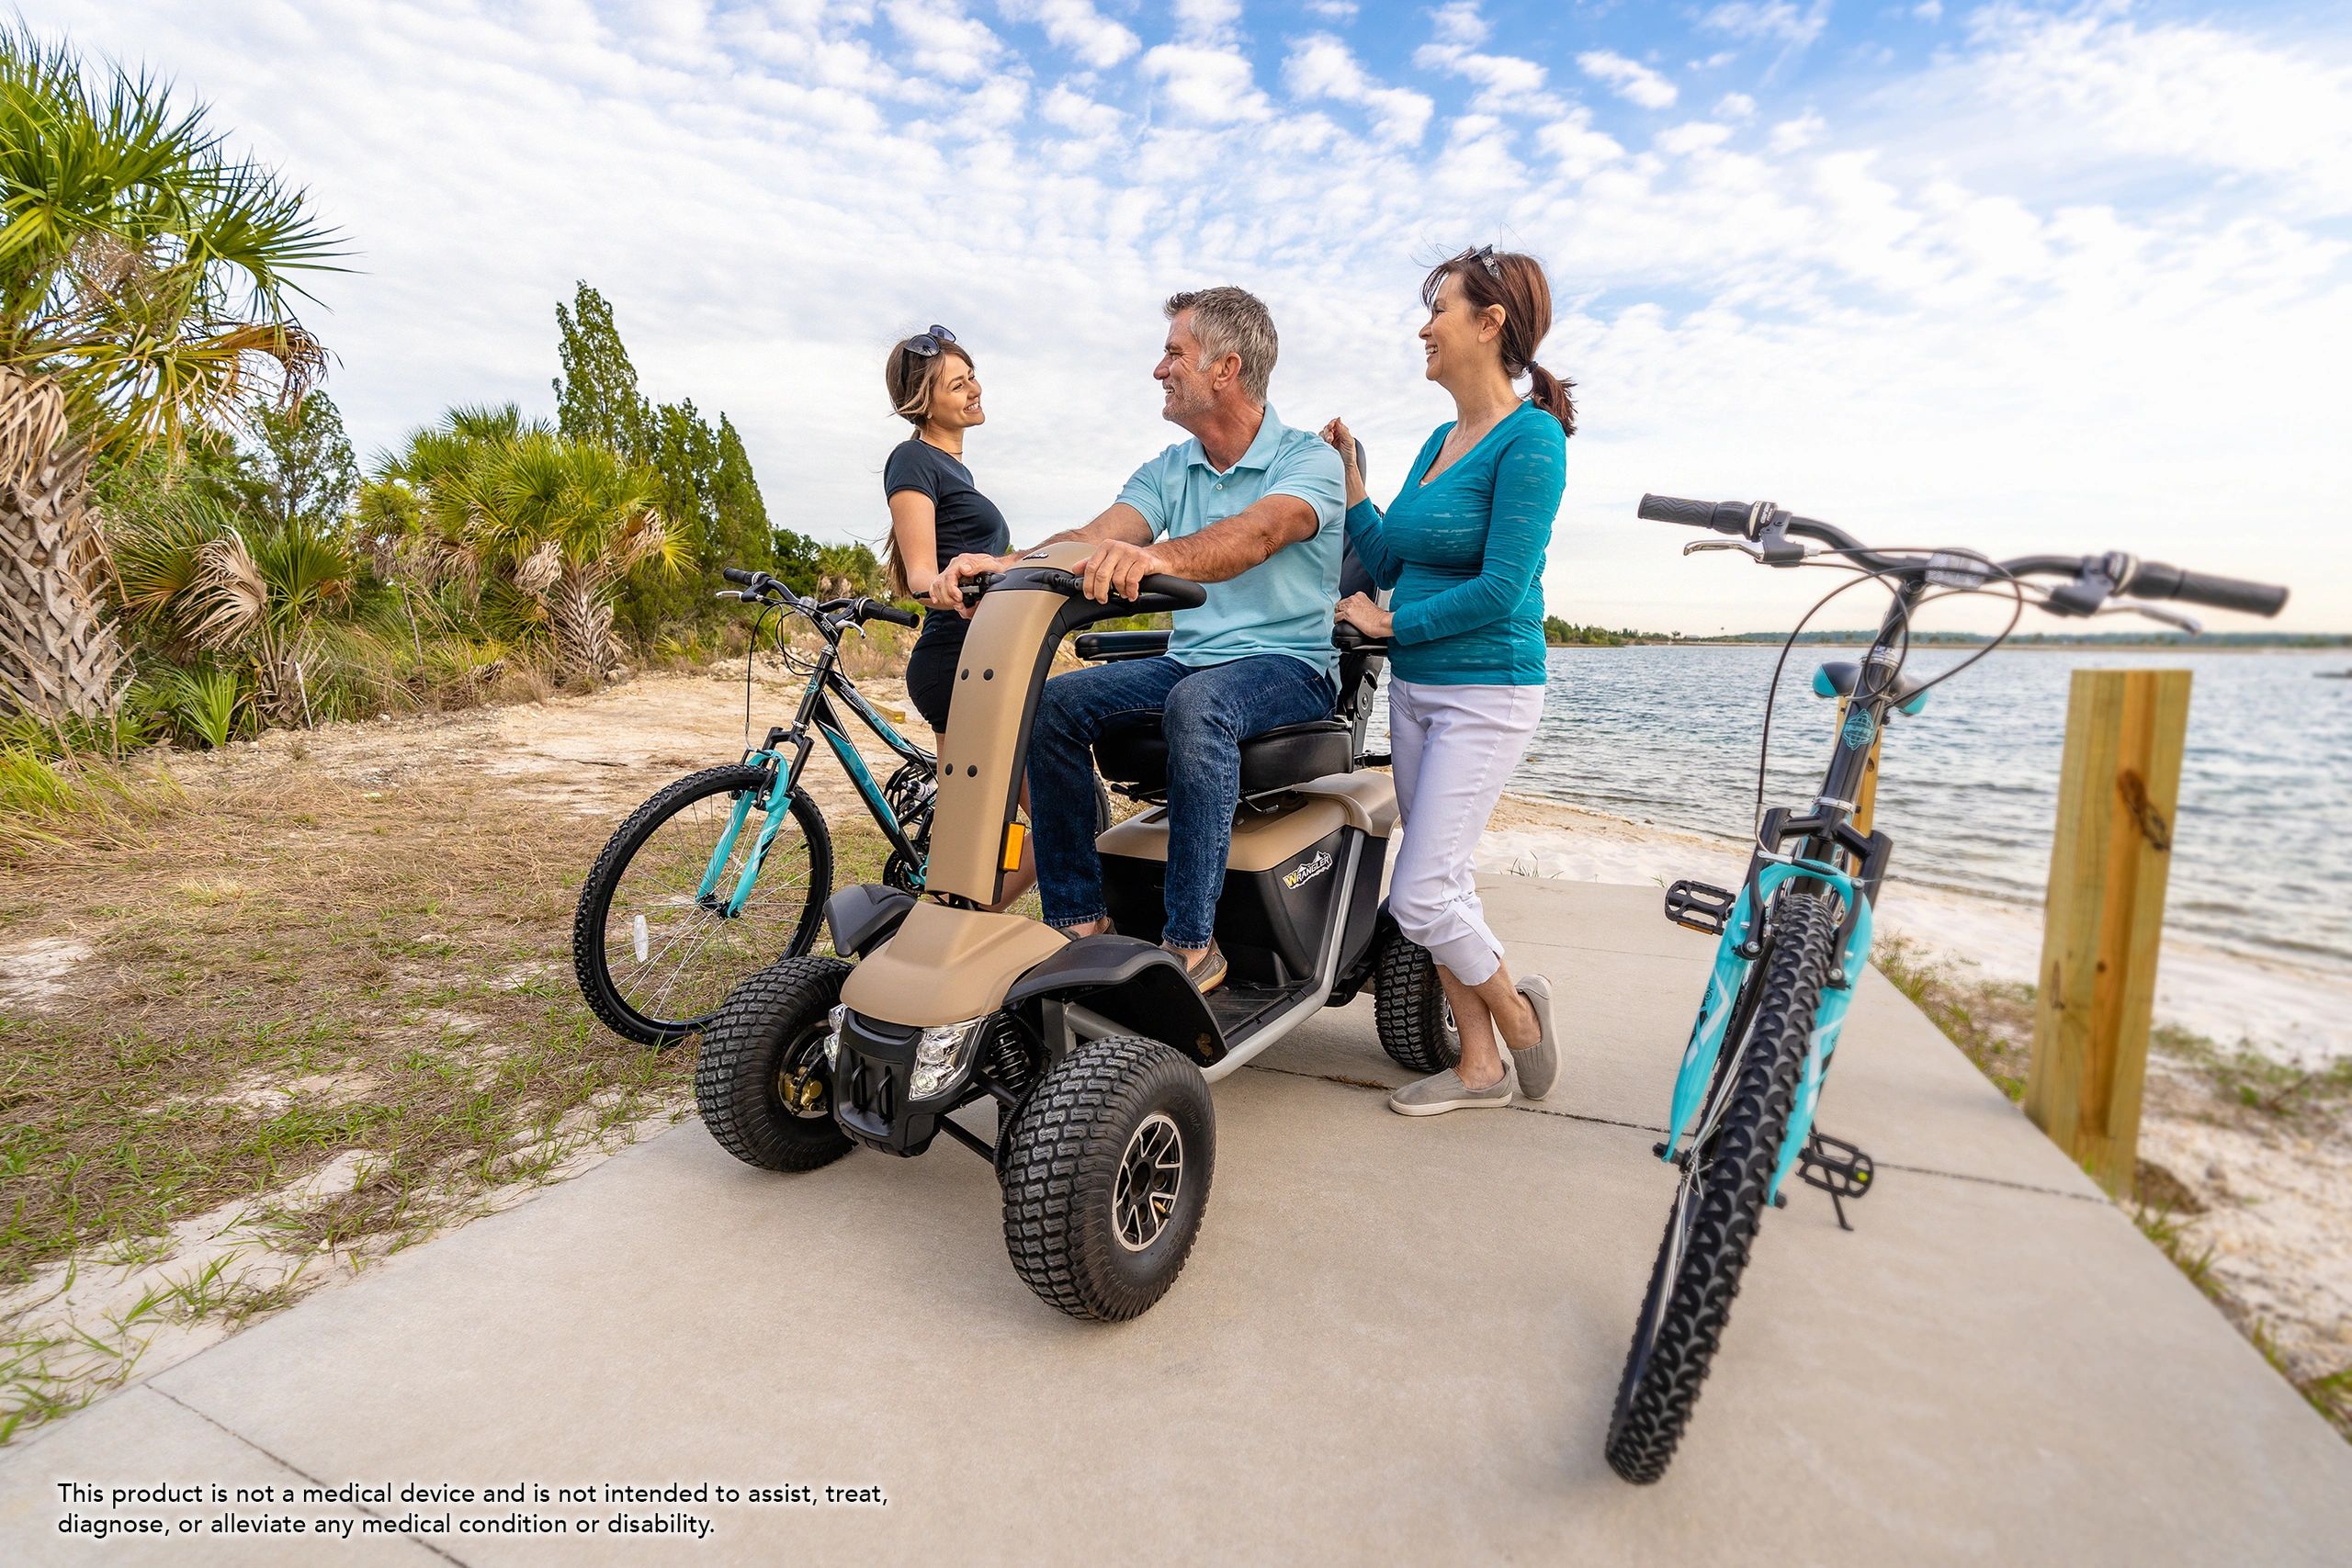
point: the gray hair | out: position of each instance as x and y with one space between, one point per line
1232 321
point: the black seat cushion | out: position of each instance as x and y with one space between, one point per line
1137 754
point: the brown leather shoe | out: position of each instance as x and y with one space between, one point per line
1206 972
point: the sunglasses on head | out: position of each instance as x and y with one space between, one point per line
929 344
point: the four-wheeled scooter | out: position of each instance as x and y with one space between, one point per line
1097 1053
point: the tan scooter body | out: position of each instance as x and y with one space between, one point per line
1094 1054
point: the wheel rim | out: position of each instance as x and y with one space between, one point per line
1151 1175
673 957
1449 1031
800 1088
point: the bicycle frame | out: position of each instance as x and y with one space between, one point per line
786 754
1831 852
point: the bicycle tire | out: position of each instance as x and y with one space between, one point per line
623 1008
1719 1204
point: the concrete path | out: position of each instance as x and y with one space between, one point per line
1398 1341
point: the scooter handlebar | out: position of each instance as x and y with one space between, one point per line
1179 593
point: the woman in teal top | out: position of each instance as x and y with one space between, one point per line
1460 550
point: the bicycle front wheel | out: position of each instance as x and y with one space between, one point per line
1719 1198
657 941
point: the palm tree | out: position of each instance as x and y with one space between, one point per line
143 283
485 496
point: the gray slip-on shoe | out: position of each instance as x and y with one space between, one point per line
1539 1065
1441 1092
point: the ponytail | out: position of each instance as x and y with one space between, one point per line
1551 394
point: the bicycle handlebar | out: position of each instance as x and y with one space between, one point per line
2097 578
2155 579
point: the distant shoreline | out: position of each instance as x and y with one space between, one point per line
2343 649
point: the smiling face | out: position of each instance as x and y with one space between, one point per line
1187 392
955 394
1459 341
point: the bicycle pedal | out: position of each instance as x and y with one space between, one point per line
1699 906
1837 1167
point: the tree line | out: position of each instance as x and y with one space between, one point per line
189 545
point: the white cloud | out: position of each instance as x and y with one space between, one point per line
942 41
1209 85
1736 106
1506 83
1778 19
1698 136
1076 111
1576 147
1460 24
1321 67
1079 28
1928 10
1792 135
1334 10
1629 79
1207 19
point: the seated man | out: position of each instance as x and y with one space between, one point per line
1249 505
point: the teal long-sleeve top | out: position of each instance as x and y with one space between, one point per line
1464 554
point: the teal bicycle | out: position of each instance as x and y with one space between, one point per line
1794 937
727 871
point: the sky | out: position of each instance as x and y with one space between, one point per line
2019 277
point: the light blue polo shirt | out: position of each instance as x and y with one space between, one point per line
1284 604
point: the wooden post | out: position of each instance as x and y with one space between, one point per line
2109 859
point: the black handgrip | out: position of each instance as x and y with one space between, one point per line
2155 579
737 574
893 614
1183 592
1723 516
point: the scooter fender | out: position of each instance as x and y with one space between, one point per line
1137 985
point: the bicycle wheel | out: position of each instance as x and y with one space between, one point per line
654 956
1719 1198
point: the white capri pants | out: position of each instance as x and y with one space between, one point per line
1454 748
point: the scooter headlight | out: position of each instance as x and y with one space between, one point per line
833 1034
941 1057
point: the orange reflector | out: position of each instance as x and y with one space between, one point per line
1013 834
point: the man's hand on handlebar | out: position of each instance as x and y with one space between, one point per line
1117 569
948 588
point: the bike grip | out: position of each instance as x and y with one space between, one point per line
893 614
1185 593
737 574
2155 579
1724 517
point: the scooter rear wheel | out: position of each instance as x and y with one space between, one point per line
1106 1177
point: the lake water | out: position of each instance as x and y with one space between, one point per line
1968 789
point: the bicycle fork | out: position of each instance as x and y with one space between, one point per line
1737 954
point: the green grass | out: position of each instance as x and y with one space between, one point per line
288 973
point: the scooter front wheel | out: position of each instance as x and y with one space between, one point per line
1106 1177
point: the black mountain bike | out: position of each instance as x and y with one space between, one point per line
727 871
1795 936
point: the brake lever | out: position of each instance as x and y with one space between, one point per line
2172 618
1761 554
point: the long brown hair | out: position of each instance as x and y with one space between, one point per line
908 377
1517 283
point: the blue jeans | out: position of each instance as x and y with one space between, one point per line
1206 713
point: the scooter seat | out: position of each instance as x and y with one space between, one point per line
1136 755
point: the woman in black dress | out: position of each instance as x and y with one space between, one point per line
936 512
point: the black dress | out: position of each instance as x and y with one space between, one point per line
966 523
